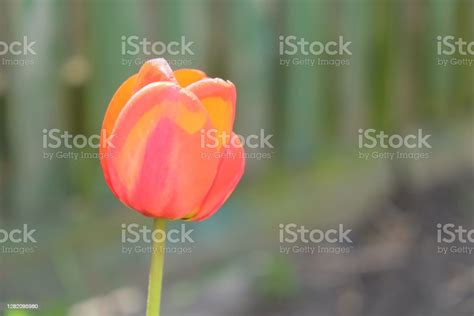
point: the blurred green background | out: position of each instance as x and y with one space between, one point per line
314 176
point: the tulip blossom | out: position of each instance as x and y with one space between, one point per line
156 161
154 156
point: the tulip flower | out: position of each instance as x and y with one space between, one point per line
153 156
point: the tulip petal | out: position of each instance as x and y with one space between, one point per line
218 97
120 98
156 165
185 77
230 171
154 70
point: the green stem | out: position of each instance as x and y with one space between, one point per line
156 271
